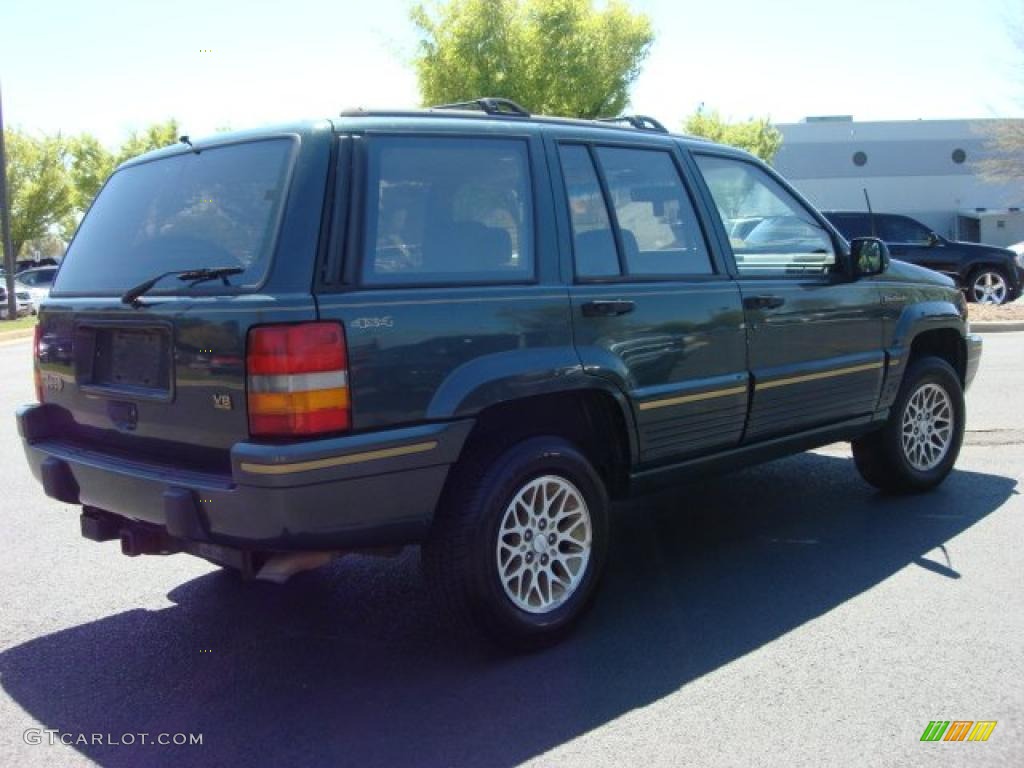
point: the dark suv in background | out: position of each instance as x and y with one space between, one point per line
987 274
469 330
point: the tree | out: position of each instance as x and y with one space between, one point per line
52 180
561 57
40 195
155 136
90 163
1004 143
756 135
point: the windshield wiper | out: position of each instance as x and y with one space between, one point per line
192 276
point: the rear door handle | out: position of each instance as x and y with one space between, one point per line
763 302
603 308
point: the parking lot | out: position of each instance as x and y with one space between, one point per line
786 614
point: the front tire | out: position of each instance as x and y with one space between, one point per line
519 542
919 444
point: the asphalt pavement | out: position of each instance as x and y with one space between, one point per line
784 615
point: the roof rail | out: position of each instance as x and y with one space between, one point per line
640 122
492 105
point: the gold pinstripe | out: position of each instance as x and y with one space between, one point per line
338 461
652 404
818 376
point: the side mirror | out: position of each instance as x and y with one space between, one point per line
869 255
933 239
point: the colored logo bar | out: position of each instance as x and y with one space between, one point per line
958 730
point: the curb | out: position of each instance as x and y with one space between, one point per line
997 326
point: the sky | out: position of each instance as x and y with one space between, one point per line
110 66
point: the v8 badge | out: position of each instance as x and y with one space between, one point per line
222 402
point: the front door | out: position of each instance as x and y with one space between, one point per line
652 309
815 335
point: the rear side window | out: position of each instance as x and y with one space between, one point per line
900 229
593 240
448 210
659 229
218 208
644 206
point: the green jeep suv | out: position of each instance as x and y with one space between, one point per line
467 328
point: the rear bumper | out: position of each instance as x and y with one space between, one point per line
368 490
973 345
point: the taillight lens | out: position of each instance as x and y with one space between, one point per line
36 373
298 380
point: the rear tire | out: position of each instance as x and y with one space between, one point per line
519 542
988 285
919 444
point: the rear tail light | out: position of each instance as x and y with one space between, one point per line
298 380
36 374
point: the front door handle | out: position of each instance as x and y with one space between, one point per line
763 302
604 308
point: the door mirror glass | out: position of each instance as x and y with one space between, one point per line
870 256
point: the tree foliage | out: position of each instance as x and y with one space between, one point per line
756 135
1004 145
153 137
38 188
563 57
52 180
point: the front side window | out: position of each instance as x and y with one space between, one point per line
448 210
851 225
900 229
771 233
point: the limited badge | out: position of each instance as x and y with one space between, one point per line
222 402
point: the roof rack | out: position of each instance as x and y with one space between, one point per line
491 105
640 122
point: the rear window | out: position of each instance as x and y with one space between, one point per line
218 208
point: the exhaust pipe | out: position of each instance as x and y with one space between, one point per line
281 567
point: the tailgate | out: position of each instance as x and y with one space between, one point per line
163 377
167 382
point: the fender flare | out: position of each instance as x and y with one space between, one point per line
504 377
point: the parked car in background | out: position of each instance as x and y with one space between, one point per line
24 301
36 282
23 264
987 274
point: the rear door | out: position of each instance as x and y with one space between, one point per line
449 290
165 377
653 309
815 336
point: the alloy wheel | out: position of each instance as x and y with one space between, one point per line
544 544
927 427
989 288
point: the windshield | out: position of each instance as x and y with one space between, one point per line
218 208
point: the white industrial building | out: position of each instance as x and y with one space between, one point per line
926 169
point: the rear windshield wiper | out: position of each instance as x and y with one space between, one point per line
192 276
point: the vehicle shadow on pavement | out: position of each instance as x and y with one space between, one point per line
349 665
